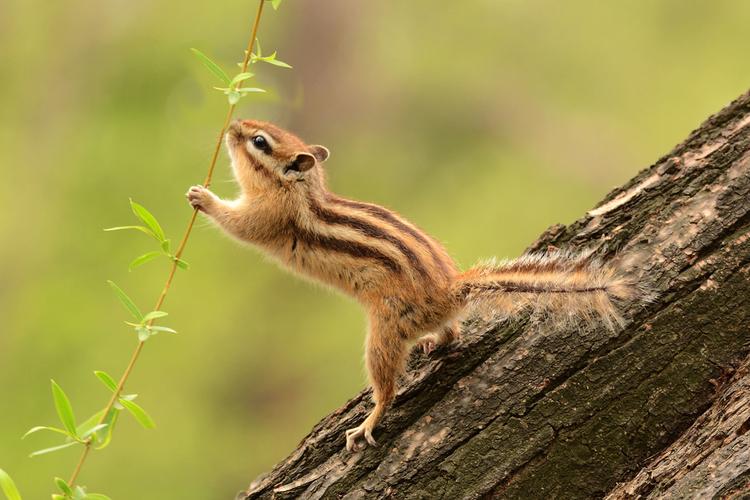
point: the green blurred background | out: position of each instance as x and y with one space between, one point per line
483 121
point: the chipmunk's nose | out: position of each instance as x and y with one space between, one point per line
234 133
235 128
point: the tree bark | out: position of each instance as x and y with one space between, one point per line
711 459
515 410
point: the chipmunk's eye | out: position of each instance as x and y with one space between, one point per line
260 142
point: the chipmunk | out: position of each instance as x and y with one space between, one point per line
412 290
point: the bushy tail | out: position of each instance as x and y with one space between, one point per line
558 285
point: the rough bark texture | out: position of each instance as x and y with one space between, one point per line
519 411
711 459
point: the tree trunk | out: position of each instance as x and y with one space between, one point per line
515 411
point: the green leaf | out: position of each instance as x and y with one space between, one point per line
142 229
126 301
53 449
276 62
62 485
247 90
79 493
237 93
105 436
139 413
212 66
106 380
8 486
93 430
57 496
275 4
240 78
127 397
101 433
143 333
64 409
233 97
148 219
96 496
45 428
182 264
165 245
142 259
153 315
89 423
162 329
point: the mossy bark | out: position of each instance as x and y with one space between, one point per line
519 411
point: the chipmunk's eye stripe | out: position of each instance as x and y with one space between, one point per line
261 143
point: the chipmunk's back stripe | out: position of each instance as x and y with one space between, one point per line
367 229
386 216
514 287
347 247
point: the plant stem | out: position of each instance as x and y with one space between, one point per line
180 249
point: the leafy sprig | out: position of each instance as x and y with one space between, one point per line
271 59
153 229
145 327
234 88
95 432
75 493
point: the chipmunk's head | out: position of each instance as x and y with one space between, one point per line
267 157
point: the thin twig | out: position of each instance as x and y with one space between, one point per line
177 255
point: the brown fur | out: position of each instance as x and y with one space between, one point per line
411 288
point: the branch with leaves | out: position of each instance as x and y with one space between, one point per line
153 229
95 432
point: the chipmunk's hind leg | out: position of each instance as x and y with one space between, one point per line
385 358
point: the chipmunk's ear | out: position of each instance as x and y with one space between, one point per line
320 152
302 162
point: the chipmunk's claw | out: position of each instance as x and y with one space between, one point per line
428 343
353 438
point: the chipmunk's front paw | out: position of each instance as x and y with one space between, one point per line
354 437
201 198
